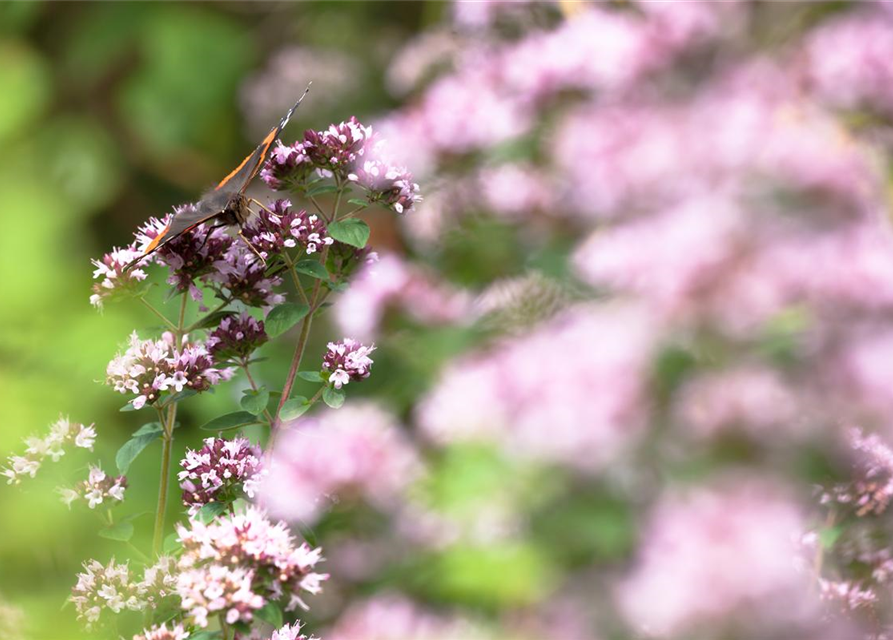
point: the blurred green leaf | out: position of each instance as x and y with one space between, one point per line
294 408
333 397
229 421
270 613
210 511
351 231
146 434
171 544
284 316
254 402
122 532
312 268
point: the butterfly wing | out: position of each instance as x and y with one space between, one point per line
237 181
214 202
185 220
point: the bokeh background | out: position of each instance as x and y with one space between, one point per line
620 342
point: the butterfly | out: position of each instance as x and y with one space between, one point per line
226 203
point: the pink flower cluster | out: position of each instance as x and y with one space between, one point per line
347 360
235 565
278 228
221 471
871 490
204 256
393 617
96 489
717 556
114 280
572 391
149 368
62 433
236 338
350 152
392 283
356 452
113 588
162 632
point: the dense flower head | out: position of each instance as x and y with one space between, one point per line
114 279
159 581
148 368
357 451
97 489
290 632
388 184
871 489
105 588
162 632
235 565
236 338
351 152
245 278
63 432
714 555
347 360
189 256
285 165
596 361
278 228
848 61
221 471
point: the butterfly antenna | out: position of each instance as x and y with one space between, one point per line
294 108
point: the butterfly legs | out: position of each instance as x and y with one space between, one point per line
252 247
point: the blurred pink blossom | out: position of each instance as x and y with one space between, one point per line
717 556
357 451
393 617
391 282
849 60
571 391
754 399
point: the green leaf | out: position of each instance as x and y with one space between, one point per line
213 319
182 395
271 613
230 421
312 268
310 376
205 635
171 544
358 202
294 408
351 231
144 436
128 407
333 397
321 189
283 317
254 402
210 511
337 287
123 531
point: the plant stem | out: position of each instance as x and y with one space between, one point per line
151 308
295 278
299 352
224 628
167 427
